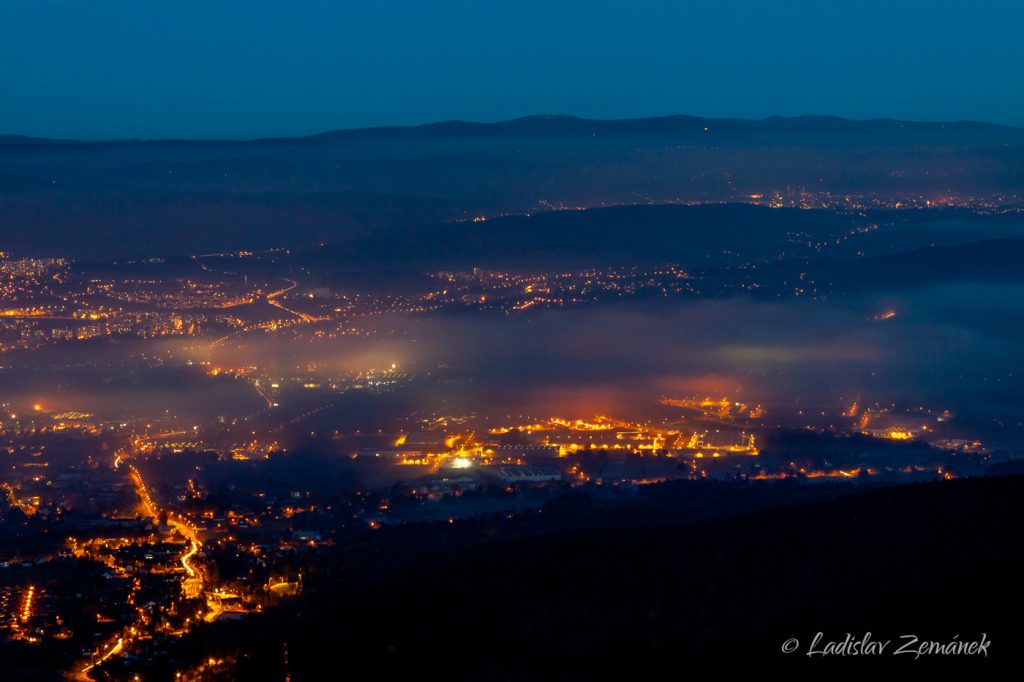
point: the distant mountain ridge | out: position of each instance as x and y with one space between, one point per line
544 125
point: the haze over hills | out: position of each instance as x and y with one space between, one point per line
156 198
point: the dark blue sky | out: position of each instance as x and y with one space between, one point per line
213 68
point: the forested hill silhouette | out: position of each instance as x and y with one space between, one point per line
989 260
783 240
689 235
496 599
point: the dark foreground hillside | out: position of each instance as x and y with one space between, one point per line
937 560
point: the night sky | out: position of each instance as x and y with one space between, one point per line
201 69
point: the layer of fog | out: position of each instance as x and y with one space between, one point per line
953 348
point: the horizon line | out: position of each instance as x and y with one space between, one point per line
18 138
